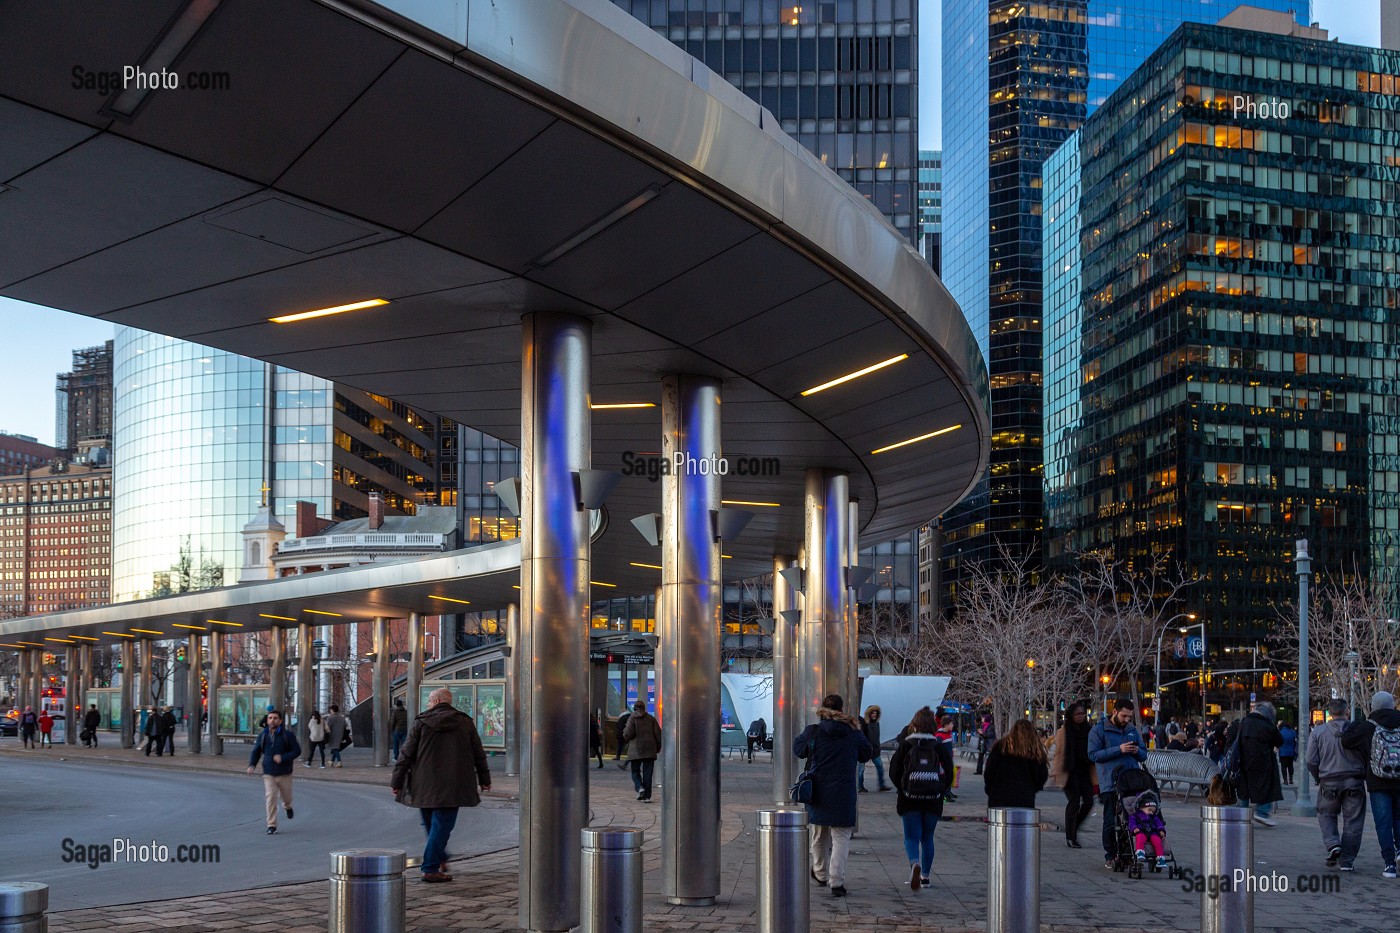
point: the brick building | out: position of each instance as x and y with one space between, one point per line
55 539
20 452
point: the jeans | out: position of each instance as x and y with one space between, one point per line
1110 824
918 837
437 825
1385 808
641 776
335 754
1263 809
1350 802
398 738
830 848
1079 792
879 774
312 753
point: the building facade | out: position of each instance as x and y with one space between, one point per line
20 452
1040 68
55 539
931 207
841 76
83 402
1223 365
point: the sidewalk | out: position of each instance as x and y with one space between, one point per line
1078 894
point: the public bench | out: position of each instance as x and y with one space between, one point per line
1178 768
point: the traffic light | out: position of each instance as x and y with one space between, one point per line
180 654
119 662
49 658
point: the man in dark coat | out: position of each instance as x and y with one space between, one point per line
1377 739
643 738
440 766
91 720
836 744
154 735
621 728
278 749
1261 784
757 734
398 727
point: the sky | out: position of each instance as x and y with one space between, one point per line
42 340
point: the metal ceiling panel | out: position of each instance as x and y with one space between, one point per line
31 136
834 359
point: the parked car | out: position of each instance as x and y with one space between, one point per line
9 724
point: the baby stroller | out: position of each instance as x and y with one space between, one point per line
1132 786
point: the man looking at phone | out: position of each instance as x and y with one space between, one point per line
1114 744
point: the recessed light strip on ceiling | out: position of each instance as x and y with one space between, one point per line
322 612
857 374
33 644
766 505
8 645
449 599
609 585
84 637
322 312
647 566
915 440
608 406
264 615
598 226
195 628
147 631
119 634
221 622
61 641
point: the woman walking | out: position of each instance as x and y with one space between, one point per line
1016 768
919 754
316 738
1073 770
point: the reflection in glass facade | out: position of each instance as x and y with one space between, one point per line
1223 380
931 206
841 76
484 461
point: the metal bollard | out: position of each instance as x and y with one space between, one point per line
784 893
612 880
1013 870
22 906
367 891
1227 845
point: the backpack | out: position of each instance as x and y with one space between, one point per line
1385 753
1230 763
923 773
27 718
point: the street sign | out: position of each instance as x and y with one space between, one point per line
1252 697
1156 705
1195 647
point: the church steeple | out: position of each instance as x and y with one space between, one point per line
261 538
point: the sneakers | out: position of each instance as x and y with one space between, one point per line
924 881
916 877
862 790
840 890
641 795
1161 861
1264 820
1073 843
820 881
289 813
1109 864
272 830
887 787
1334 855
323 767
435 877
1345 868
1389 872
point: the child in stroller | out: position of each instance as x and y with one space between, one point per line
1135 786
1147 827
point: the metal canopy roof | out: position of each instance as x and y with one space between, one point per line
543 155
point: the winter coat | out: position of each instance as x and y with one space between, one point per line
398 719
1140 822
1104 741
91 720
901 761
643 737
1331 762
595 734
1289 748
835 745
336 725
871 728
168 722
758 729
1357 737
153 728
1071 754
1012 781
45 723
316 730
442 760
271 743
1260 780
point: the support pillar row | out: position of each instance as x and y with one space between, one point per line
381 692
216 681
824 650
786 724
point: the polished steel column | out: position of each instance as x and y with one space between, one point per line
823 651
70 733
277 673
306 683
853 609
85 680
786 723
216 680
382 739
125 694
415 665
515 731
194 708
688 640
143 697
555 442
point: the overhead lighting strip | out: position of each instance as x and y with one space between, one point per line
915 440
856 375
323 312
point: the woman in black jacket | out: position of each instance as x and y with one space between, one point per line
1016 768
1074 771
919 813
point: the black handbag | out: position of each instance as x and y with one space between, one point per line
804 789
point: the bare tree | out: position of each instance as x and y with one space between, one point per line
887 633
1345 614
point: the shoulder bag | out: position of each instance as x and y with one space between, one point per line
804 789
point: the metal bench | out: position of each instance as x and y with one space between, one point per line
1177 768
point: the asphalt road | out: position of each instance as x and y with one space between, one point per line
45 804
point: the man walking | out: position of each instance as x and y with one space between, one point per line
1114 744
438 771
336 727
1260 782
1377 739
398 726
1340 774
45 729
91 720
643 738
871 728
835 747
279 750
28 725
152 731
758 732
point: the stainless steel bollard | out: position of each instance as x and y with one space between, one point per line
22 906
612 880
367 891
1227 846
784 893
1013 870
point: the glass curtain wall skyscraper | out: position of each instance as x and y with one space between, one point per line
1040 69
931 206
841 76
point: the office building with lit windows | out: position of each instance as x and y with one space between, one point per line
931 206
1018 79
1220 318
55 539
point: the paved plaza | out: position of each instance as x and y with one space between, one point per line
1077 892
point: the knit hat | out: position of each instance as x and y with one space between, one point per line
1382 700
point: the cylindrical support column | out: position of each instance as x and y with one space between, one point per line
415 666
555 441
784 891
853 609
515 731
381 692
277 673
128 704
22 907
216 681
194 705
25 693
1304 805
367 891
144 696
70 730
786 705
612 880
822 650
688 640
1013 870
1227 846
306 687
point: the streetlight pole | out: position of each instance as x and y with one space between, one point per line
1304 805
1030 689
